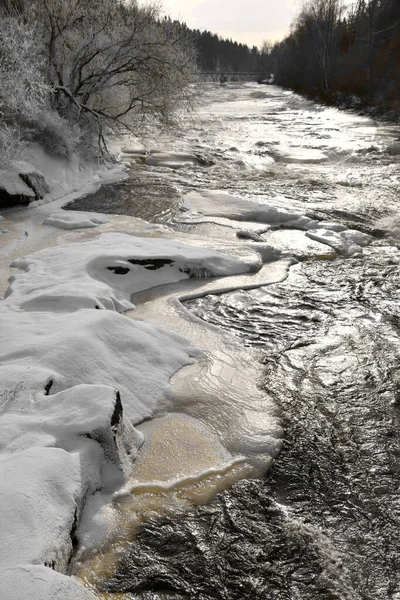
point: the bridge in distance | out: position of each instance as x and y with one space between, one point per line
225 76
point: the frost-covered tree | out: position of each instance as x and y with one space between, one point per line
23 87
74 70
113 65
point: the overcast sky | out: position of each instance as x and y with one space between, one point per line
247 21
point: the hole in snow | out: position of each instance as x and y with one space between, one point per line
151 264
119 270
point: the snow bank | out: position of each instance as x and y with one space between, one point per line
45 179
105 272
74 382
75 220
93 347
65 176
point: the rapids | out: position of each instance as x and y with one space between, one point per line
324 522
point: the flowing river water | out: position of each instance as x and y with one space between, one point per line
324 522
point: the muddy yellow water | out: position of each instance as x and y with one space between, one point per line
181 465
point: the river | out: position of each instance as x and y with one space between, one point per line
324 522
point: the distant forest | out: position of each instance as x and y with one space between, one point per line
347 56
215 54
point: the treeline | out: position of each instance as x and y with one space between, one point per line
74 71
343 55
216 54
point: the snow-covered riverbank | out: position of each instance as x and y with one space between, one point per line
78 375
68 360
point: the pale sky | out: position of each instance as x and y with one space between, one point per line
247 21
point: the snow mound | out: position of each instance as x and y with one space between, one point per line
75 220
347 243
298 155
90 347
43 584
105 272
38 531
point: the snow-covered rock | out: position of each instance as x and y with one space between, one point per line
13 190
347 242
75 220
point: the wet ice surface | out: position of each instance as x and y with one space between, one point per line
324 523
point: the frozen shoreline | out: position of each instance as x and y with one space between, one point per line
62 359
58 347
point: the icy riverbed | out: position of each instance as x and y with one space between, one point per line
113 425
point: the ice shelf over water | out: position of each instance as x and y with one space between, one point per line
104 273
75 377
216 204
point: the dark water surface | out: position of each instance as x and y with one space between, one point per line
324 524
144 195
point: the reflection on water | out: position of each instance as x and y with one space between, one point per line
181 465
145 195
324 523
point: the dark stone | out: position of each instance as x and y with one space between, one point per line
74 527
48 387
8 200
118 411
35 181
